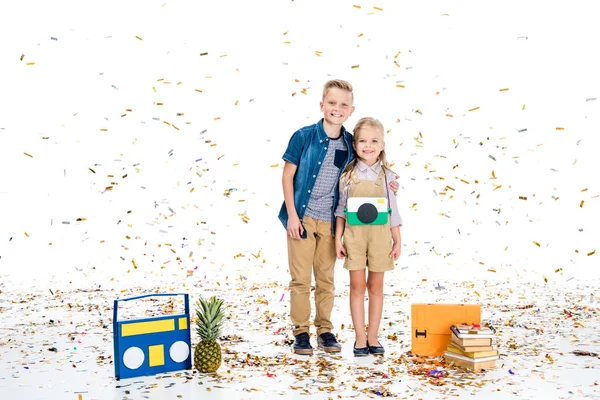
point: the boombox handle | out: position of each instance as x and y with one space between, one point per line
185 295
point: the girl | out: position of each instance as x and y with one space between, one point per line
370 230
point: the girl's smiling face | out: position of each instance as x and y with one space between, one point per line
368 144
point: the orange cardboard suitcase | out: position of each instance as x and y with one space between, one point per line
430 325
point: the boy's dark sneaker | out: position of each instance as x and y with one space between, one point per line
302 344
328 343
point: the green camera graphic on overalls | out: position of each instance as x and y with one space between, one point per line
367 211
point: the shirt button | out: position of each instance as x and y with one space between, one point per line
319 162
325 147
314 176
320 141
309 191
303 206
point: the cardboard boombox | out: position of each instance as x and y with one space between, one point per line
367 211
430 325
148 346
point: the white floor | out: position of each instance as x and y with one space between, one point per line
539 327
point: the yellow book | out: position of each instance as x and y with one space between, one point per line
472 354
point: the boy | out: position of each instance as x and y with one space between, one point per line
315 157
314 160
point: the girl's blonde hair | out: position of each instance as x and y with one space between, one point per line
349 173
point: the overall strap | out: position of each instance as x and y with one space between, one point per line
387 190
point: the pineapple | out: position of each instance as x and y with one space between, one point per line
207 352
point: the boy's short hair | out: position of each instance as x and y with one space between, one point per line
337 84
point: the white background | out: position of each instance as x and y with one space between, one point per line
69 112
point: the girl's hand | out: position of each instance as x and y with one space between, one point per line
394 186
395 253
340 250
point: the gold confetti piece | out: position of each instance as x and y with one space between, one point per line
287 42
81 219
285 33
545 280
560 128
397 54
577 323
378 8
221 157
274 165
581 204
522 108
22 56
293 94
449 115
203 54
396 63
493 175
496 188
236 102
400 86
477 293
355 66
318 53
536 243
504 90
591 253
139 38
491 270
217 118
92 170
355 6
359 35
558 270
30 63
475 108
28 155
198 90
103 129
26 234
467 182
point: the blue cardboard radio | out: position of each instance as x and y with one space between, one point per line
153 345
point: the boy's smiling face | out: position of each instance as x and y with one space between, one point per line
337 106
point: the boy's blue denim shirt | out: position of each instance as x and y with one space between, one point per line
307 152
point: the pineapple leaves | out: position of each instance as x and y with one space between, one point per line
210 318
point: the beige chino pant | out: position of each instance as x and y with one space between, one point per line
313 255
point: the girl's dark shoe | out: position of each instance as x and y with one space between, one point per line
376 350
360 352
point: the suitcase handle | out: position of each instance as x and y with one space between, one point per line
424 333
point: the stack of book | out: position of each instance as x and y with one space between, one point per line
471 347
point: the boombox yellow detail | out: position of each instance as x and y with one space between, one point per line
156 355
142 328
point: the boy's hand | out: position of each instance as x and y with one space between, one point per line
294 227
395 253
394 186
340 250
